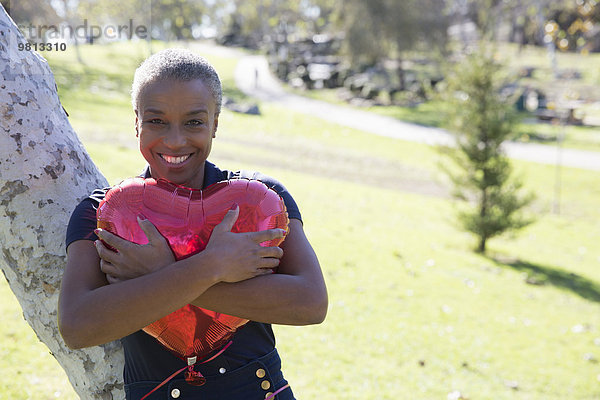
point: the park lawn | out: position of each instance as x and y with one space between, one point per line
397 266
414 313
28 369
569 136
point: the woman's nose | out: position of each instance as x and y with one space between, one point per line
175 137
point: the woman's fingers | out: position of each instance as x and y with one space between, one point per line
228 220
273 252
112 272
268 263
152 234
266 235
112 279
112 240
104 253
264 271
107 268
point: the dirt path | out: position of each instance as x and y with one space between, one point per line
254 78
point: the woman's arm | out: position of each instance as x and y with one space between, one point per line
295 295
91 312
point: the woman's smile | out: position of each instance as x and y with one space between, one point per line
175 161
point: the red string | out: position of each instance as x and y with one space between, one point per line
281 389
163 382
219 353
189 367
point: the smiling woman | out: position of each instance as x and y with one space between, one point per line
106 295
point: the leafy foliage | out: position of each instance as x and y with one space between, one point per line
29 12
381 29
569 24
481 117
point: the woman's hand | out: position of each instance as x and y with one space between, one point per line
133 260
295 295
239 256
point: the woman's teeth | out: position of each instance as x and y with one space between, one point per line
174 160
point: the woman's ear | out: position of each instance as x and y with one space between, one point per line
216 122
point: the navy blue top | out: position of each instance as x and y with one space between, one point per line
145 358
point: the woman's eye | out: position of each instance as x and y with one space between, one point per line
195 122
154 121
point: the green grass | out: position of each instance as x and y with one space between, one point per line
414 313
28 369
537 57
570 136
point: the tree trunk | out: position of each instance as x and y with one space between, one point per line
44 172
482 214
401 75
482 244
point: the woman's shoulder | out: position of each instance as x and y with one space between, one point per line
83 219
97 195
214 174
272 183
255 175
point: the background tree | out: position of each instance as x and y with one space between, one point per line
527 19
257 21
177 19
25 12
44 172
480 114
377 30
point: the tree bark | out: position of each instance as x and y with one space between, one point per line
44 173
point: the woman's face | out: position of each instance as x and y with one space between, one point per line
176 123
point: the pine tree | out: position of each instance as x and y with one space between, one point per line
481 116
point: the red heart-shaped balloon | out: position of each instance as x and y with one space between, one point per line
186 218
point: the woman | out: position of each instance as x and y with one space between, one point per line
107 295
